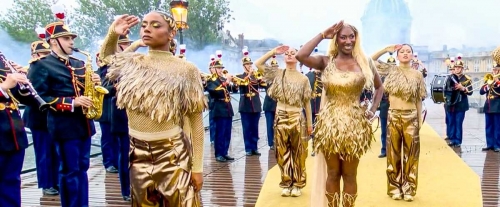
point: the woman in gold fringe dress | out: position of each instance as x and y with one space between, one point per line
292 91
406 89
342 133
164 100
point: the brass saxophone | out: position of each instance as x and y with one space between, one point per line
95 93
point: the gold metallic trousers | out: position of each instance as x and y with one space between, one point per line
291 147
160 173
402 138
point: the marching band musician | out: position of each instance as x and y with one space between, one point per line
314 77
13 137
59 79
457 111
416 63
384 106
47 162
269 108
109 143
451 68
292 91
211 120
492 110
219 88
117 146
250 106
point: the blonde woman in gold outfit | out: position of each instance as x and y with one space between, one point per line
164 100
406 89
292 91
342 133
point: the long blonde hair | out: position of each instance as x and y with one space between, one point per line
358 54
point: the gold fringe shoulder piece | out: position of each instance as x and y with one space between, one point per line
384 68
496 55
164 88
270 73
295 90
406 84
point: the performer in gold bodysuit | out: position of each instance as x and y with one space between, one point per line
342 133
292 91
406 89
164 99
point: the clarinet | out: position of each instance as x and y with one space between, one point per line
29 87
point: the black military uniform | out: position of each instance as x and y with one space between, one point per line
13 140
456 111
115 142
59 80
250 107
47 162
211 122
492 113
269 109
384 110
222 112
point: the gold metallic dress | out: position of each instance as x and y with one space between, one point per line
403 130
164 99
341 126
292 91
341 129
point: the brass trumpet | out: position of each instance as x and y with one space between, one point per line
258 75
224 71
488 78
240 81
208 76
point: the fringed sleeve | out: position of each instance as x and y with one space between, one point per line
197 139
108 47
422 88
134 46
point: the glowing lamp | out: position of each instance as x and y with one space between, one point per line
40 32
179 9
212 57
182 48
58 11
219 53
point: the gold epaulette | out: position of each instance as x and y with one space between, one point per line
468 77
36 59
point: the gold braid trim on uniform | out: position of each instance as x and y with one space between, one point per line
406 84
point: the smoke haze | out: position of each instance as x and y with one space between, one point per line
435 23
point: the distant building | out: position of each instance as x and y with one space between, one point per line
385 22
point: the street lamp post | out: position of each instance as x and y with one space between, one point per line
179 10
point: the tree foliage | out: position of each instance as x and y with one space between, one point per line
24 16
204 17
92 18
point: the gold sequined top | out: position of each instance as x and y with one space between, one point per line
289 86
159 91
406 84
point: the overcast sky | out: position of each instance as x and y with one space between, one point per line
435 22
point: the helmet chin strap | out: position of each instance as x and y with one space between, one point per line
60 47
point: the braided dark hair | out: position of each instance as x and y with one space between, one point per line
172 26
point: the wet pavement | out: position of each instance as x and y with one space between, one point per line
238 183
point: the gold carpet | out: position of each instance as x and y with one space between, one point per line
444 179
